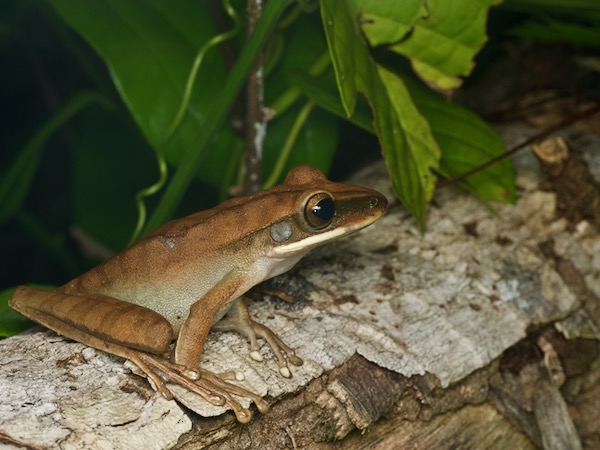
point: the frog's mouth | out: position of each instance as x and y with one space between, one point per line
309 242
314 240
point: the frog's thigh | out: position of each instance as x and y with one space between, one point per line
93 319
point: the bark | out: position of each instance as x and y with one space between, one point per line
481 333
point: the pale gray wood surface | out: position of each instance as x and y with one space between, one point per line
378 315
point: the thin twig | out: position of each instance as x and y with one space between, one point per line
256 123
229 52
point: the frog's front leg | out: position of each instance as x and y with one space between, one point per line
132 332
238 319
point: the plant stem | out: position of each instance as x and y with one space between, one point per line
191 160
256 123
289 144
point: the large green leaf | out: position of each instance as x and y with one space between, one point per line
439 37
388 22
406 141
466 141
149 47
324 92
421 153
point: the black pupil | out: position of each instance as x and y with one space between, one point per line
324 209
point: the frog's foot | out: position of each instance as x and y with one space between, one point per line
238 319
209 386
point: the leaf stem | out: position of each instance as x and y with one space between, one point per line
187 93
185 101
289 144
147 192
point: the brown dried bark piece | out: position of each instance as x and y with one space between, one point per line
578 196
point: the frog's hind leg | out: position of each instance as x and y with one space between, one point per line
101 321
94 319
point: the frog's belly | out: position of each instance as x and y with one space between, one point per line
171 300
173 294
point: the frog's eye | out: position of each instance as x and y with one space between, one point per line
319 210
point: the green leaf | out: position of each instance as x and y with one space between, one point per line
304 47
316 143
422 153
11 322
343 38
388 22
466 142
323 91
232 86
567 7
443 41
149 47
553 30
409 156
301 46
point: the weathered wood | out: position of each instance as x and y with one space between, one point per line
477 334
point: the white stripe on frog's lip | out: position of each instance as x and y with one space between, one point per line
311 241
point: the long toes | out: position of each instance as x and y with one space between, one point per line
294 359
